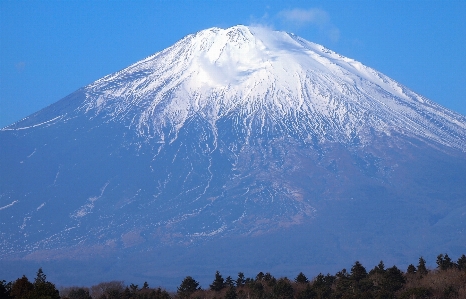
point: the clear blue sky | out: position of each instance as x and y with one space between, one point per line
48 49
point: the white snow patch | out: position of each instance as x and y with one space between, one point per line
210 234
36 125
24 222
87 208
9 205
32 153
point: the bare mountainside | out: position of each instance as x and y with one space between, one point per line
234 148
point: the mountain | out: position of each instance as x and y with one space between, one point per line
239 149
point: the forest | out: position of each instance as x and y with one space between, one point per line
447 280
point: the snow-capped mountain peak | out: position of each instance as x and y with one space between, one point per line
237 141
250 72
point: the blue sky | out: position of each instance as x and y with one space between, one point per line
49 49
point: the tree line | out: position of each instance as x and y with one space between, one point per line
448 280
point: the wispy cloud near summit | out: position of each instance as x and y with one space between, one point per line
305 16
312 16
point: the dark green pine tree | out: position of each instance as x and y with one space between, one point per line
283 289
462 262
40 277
229 282
22 288
231 293
126 294
268 277
301 278
358 272
240 280
218 284
158 294
411 269
4 290
322 286
257 288
359 283
319 281
421 268
187 287
377 274
444 262
133 288
380 268
393 280
44 289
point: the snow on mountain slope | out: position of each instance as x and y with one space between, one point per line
271 78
